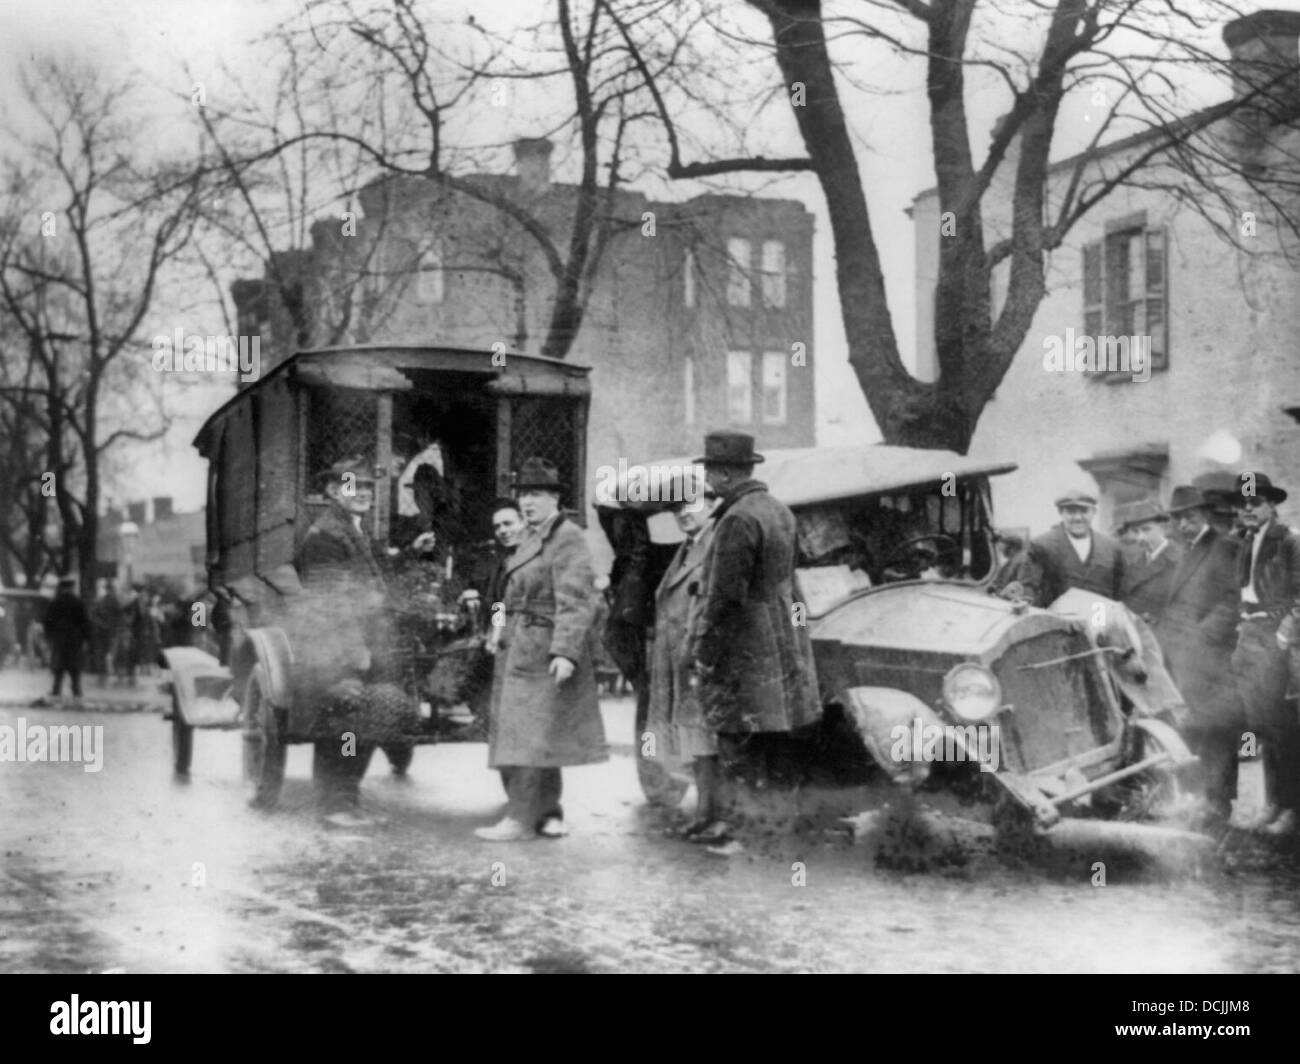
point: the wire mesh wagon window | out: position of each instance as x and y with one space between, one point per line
546 428
342 423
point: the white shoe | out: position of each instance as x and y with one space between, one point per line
506 830
553 828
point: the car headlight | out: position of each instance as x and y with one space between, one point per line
972 692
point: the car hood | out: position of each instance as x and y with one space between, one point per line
929 616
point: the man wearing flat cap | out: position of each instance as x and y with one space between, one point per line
1073 554
544 713
1268 574
1197 630
1149 568
753 661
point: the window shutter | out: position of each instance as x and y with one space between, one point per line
1157 298
1093 315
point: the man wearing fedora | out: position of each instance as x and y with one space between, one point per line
1197 629
1073 554
544 713
752 659
1150 565
1268 574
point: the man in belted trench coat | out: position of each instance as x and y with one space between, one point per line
544 712
1197 629
1268 575
753 658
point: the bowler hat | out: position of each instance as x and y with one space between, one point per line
1257 485
1137 513
727 447
1076 497
538 473
1186 497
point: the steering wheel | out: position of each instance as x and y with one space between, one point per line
937 538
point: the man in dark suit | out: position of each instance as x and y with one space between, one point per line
67 625
1197 629
1149 569
1268 573
1073 554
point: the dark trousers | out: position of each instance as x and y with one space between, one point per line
533 794
337 777
63 660
1218 749
1262 672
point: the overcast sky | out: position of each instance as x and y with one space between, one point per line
892 129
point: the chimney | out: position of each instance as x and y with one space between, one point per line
162 507
533 163
1265 48
136 512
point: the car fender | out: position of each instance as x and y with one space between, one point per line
877 714
269 648
201 688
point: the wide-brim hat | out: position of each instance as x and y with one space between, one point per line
727 447
538 474
1187 497
1138 513
1257 486
1076 497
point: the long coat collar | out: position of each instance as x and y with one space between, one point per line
531 545
338 522
745 487
689 558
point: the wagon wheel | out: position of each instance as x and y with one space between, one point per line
264 749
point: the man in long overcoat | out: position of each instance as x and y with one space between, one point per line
1268 574
1073 554
545 713
67 625
753 656
1197 630
676 718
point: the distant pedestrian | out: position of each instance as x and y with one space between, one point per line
67 625
106 620
544 714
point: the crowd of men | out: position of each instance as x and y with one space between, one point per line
1216 576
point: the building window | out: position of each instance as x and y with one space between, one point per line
740 387
738 272
1125 292
688 279
688 374
774 273
429 275
774 387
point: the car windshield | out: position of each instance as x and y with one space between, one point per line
930 532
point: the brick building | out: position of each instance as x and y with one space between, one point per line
1220 322
164 545
700 313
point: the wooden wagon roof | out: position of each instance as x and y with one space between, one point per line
394 367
